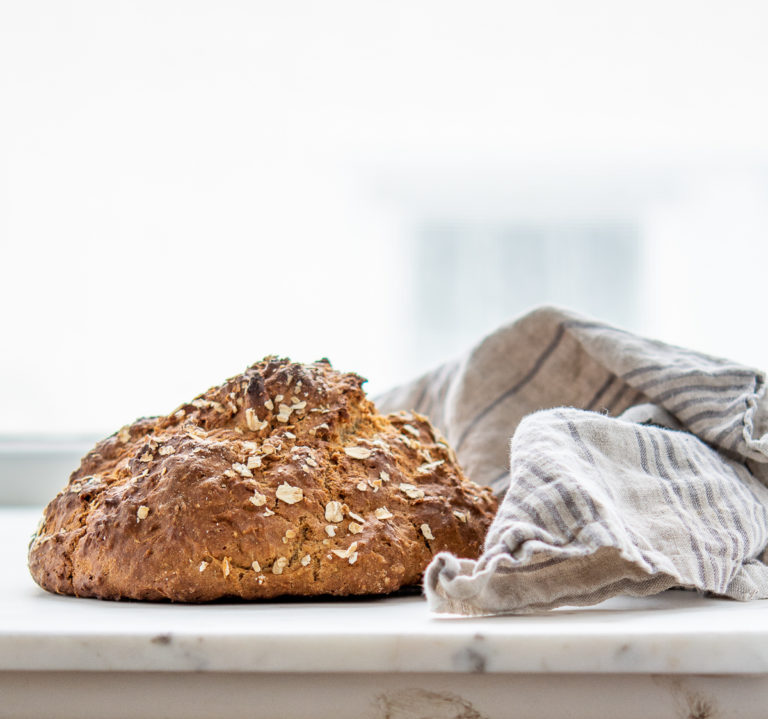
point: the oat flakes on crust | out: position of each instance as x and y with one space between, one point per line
284 480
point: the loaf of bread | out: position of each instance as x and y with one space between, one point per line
284 480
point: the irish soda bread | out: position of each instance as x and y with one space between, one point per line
283 480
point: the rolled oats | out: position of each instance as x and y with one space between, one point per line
358 452
333 512
411 491
289 494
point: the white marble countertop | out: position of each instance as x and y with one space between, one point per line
677 632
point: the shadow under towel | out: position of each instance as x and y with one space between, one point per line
634 466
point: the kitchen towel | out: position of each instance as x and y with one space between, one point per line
634 466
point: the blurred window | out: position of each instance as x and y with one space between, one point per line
471 278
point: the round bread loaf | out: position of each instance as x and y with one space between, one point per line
283 480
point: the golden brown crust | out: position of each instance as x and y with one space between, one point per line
283 480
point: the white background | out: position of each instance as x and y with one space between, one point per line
187 186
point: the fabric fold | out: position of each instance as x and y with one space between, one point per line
634 466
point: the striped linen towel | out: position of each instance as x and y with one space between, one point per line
634 466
